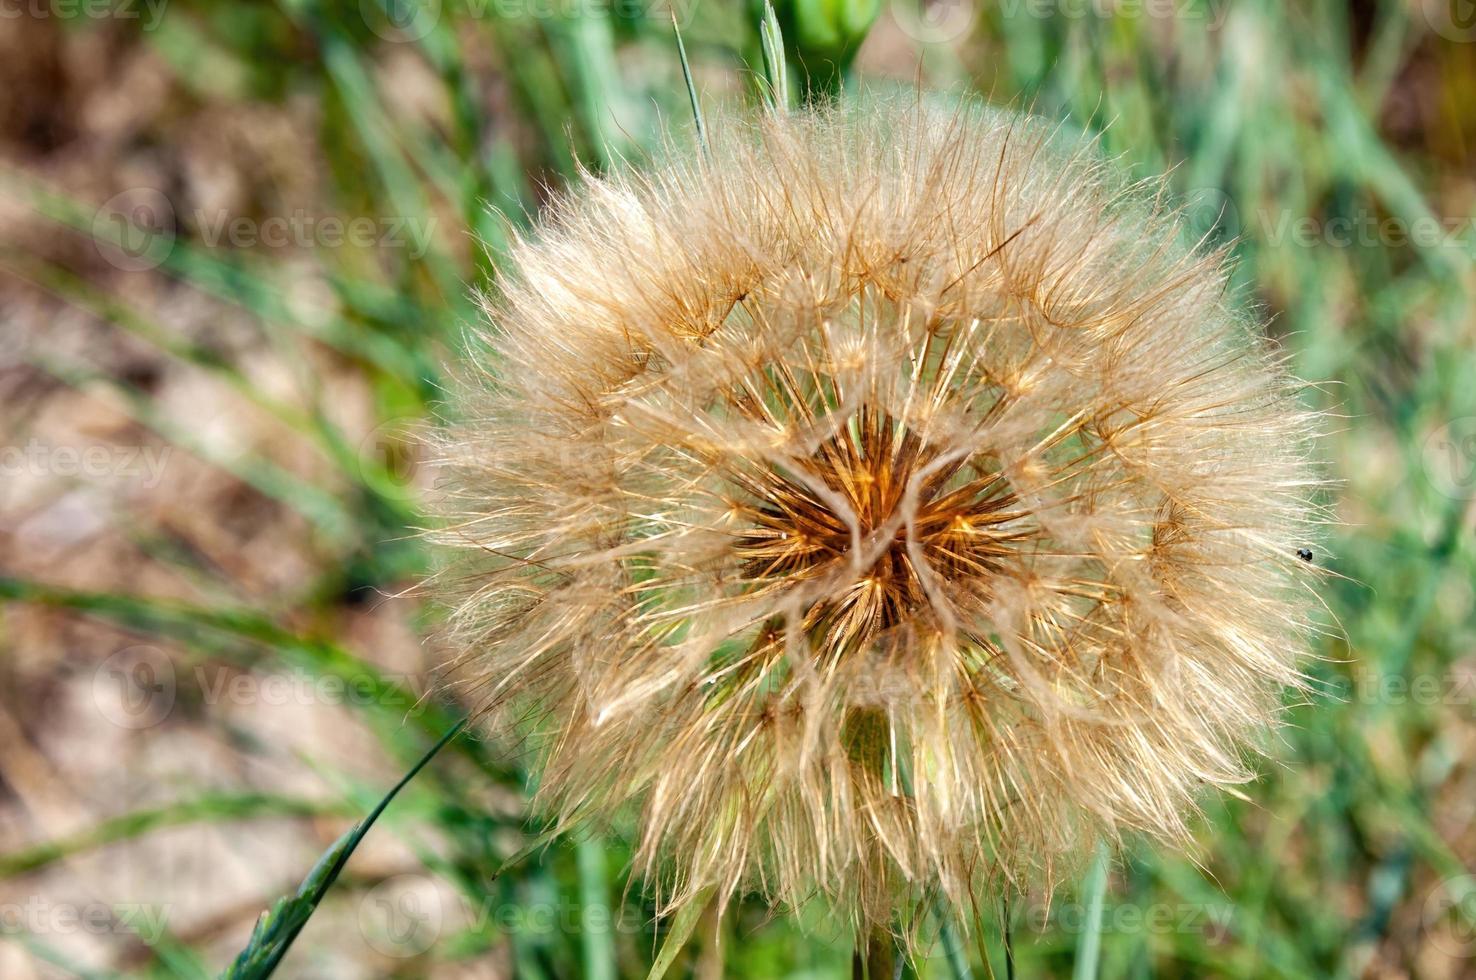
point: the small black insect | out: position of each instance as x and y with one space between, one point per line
1305 554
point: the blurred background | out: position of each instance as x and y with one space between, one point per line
238 244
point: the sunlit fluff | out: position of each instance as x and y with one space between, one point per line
884 499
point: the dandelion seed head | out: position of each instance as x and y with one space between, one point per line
887 499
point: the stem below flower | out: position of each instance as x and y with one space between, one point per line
875 957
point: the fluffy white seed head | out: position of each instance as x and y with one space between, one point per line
885 499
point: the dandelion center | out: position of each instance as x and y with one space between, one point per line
888 514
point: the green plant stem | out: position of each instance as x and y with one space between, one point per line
875 957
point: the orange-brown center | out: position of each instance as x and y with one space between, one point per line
806 522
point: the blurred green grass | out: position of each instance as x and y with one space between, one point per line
1305 136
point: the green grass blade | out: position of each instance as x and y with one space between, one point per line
953 949
691 86
776 67
598 941
1089 949
236 280
229 628
586 45
326 512
223 806
280 925
67 966
683 924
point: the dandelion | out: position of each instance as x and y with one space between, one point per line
884 502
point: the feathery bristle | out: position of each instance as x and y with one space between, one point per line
884 500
